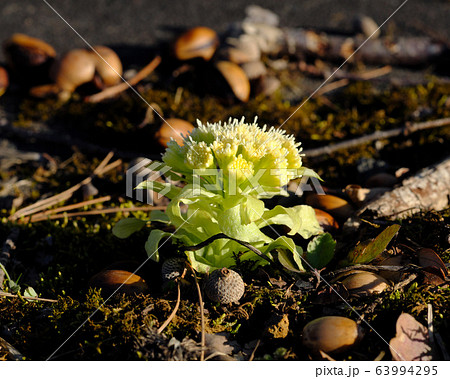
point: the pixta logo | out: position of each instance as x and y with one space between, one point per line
146 170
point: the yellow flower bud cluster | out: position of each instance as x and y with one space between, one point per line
242 150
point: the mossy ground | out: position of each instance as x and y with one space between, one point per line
58 257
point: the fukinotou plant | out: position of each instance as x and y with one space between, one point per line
227 169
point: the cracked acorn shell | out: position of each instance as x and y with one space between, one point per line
172 268
30 57
225 286
331 334
198 42
107 73
173 128
365 283
236 79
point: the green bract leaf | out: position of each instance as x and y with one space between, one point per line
304 171
300 219
367 251
320 250
124 228
29 291
289 255
159 216
152 244
166 189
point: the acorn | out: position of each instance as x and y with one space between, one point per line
124 282
4 80
326 221
225 286
30 57
107 73
199 42
236 79
334 205
77 67
365 283
173 268
174 128
331 334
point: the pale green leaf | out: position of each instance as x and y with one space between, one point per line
159 216
152 244
166 189
320 250
29 291
300 219
124 228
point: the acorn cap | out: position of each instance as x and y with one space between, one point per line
172 268
225 286
25 51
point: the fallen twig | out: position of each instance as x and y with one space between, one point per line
175 309
7 294
345 80
252 356
39 217
202 316
75 206
65 195
115 90
405 130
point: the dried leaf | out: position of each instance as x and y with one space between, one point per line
411 342
367 251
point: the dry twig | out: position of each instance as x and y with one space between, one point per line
175 309
378 135
7 294
115 90
202 316
67 194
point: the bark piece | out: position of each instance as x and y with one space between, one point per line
429 189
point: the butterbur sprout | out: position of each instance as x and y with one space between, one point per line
227 169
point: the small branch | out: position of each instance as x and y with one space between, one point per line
115 90
252 356
202 316
366 75
39 217
172 315
405 130
75 206
6 294
63 196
